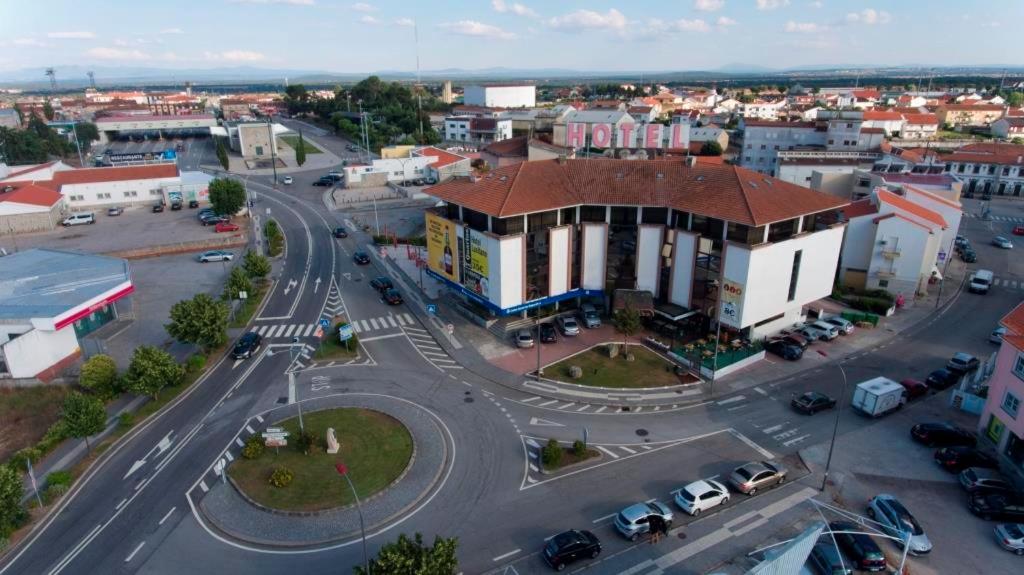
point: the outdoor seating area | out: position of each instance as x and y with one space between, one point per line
689 339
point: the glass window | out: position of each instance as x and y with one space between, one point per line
568 216
474 219
592 213
507 226
541 221
682 219
1018 366
1011 403
810 221
794 275
654 215
623 215
780 231
452 211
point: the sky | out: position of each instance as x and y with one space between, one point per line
598 35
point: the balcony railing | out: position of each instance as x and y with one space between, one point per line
890 253
885 273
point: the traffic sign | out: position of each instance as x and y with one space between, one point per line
345 332
325 323
319 333
432 308
942 256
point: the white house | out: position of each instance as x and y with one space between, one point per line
88 188
477 131
501 96
1008 127
762 109
919 126
889 122
420 163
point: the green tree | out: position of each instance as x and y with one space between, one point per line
99 375
238 281
48 111
222 154
1015 99
411 557
626 322
227 196
300 151
1017 141
711 148
21 147
87 133
12 512
255 265
83 416
151 370
201 320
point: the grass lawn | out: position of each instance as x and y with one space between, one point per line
293 142
569 458
333 348
249 306
375 447
649 369
26 413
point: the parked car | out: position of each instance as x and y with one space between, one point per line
339 233
430 180
287 180
784 349
997 335
942 378
812 402
361 258
548 333
213 219
324 181
810 333
205 212
959 457
588 313
935 434
701 495
418 182
860 548
381 283
962 362
960 242
157 208
1002 243
247 345
968 255
984 480
827 559
570 546
1003 506
633 521
79 219
524 338
192 204
914 388
795 339
115 211
845 326
175 206
750 477
829 331
215 256
391 297
568 325
225 227
899 523
1011 537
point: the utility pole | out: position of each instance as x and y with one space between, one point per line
292 352
78 145
273 158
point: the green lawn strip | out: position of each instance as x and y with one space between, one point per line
249 306
293 142
26 413
570 458
599 370
333 348
375 447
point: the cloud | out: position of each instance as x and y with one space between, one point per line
367 19
708 5
117 54
235 56
816 4
725 21
29 42
804 27
172 31
680 25
474 28
81 35
364 7
291 2
406 22
869 16
771 4
515 8
588 19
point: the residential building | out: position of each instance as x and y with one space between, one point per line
958 115
417 163
1008 128
643 114
831 132
30 208
9 118
762 109
709 133
235 109
477 131
90 188
989 169
889 122
819 170
1001 424
919 126
507 152
255 141
501 96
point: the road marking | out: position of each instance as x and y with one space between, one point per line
121 504
645 447
750 442
442 360
259 418
288 331
774 428
627 450
534 468
571 403
528 400
544 423
437 353
605 518
532 443
730 400
391 321
584 408
761 391
261 329
202 485
250 429
547 403
602 408
506 555
533 454
239 441
796 440
166 516
132 554
608 451
309 330
228 455
401 320
450 366
373 322
375 338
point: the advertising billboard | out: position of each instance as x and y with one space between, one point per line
732 302
475 267
441 247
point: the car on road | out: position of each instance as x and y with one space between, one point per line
175 206
959 457
812 402
828 560
1002 243
1018 230
570 546
1011 537
391 296
115 211
548 333
785 349
829 331
937 434
381 283
968 255
430 180
750 477
1002 506
205 212
914 388
858 546
247 345
997 335
701 495
192 204
960 242
215 256
899 523
962 362
524 338
942 378
287 180
984 480
339 233
324 181
568 325
157 208
361 258
222 227
634 521
845 326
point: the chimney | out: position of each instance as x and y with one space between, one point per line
561 159
691 161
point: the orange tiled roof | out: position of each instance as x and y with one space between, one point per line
882 115
912 208
921 119
989 154
859 208
32 194
1014 321
91 175
444 157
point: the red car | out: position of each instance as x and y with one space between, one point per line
1018 230
914 388
225 227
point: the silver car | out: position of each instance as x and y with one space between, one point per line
568 325
750 477
701 495
1011 537
899 523
1001 242
524 338
828 330
633 521
215 256
845 326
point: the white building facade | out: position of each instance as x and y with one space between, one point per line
501 96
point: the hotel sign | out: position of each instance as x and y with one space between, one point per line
626 135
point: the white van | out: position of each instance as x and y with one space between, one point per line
77 219
980 281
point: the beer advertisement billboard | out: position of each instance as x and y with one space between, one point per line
475 267
442 240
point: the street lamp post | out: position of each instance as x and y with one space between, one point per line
273 158
343 471
292 352
536 330
835 426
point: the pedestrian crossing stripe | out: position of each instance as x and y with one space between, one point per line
286 330
384 322
358 325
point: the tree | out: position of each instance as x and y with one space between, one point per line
201 320
227 196
12 512
410 557
238 281
1017 141
48 111
626 322
87 133
711 148
1015 99
83 416
99 375
222 154
255 265
151 370
300 151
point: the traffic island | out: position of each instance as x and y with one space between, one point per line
333 348
607 366
556 457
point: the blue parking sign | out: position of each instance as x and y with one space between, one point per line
325 323
432 308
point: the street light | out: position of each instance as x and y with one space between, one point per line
343 471
835 427
292 352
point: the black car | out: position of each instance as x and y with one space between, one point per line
999 506
381 283
213 219
157 208
571 546
942 378
361 258
968 256
418 182
548 333
942 435
324 182
175 206
340 233
785 349
956 459
860 548
812 402
391 297
192 204
828 560
247 345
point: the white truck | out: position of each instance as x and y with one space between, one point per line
878 396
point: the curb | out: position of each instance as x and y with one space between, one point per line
572 466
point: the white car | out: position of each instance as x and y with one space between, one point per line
568 325
830 331
997 335
701 495
287 180
845 326
215 256
1001 242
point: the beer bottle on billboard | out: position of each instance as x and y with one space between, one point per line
447 253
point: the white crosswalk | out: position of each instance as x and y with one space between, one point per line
1009 219
384 322
285 330
1011 284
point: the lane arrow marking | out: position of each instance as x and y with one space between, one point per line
544 423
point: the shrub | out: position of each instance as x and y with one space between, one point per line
281 477
58 478
99 375
126 420
551 454
871 304
579 449
253 447
26 454
54 492
195 363
58 432
305 441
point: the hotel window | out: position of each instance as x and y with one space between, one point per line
475 220
1018 366
681 220
654 215
1011 403
541 221
781 231
809 223
507 226
451 211
794 275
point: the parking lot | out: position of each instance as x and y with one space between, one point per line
196 150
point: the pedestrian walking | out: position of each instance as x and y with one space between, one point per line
657 528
